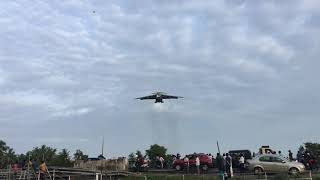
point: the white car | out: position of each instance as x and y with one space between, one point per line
271 163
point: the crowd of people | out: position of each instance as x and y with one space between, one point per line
308 160
225 163
39 170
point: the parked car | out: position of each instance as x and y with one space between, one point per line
271 163
206 162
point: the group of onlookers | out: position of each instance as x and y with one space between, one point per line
224 164
308 160
39 170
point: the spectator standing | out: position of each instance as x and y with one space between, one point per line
220 165
229 165
186 161
290 155
178 156
161 161
15 169
43 170
34 165
198 165
241 163
210 157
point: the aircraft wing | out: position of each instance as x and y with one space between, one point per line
170 97
147 97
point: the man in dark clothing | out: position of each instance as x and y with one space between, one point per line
220 165
178 156
290 155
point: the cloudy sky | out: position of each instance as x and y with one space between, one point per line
70 70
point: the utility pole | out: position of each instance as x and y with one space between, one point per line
102 163
102 146
218 147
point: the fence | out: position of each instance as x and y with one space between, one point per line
77 174
244 176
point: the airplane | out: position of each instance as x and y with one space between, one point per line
159 97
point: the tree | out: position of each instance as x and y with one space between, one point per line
43 153
139 154
309 147
7 155
11 156
78 155
314 149
156 151
62 159
132 159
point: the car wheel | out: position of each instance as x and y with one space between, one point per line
294 171
178 167
258 170
205 167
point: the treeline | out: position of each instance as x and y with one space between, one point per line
63 158
50 155
153 153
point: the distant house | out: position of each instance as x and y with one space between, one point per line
100 163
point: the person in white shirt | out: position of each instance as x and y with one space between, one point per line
241 163
229 169
186 161
198 164
161 161
210 157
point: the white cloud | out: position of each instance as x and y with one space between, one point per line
268 45
73 112
59 140
33 98
253 66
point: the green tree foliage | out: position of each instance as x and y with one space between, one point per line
43 153
314 149
139 154
62 159
79 155
132 159
7 155
156 151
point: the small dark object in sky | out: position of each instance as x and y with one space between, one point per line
94 11
159 96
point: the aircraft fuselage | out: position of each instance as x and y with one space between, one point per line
159 100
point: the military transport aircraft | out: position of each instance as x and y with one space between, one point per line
159 97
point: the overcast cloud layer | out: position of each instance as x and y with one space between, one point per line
248 71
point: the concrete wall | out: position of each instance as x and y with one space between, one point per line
119 164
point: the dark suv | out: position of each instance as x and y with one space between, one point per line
205 162
235 154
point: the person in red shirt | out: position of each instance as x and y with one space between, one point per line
15 169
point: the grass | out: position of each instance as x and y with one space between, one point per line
211 177
180 177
